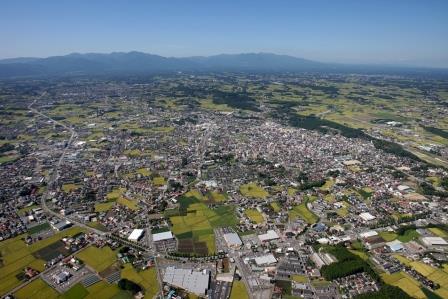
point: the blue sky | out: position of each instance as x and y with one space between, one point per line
393 32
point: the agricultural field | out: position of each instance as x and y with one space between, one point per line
239 290
104 206
17 255
439 276
103 290
78 291
438 232
404 282
254 215
253 190
275 206
98 258
195 228
37 289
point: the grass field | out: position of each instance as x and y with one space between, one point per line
218 197
97 258
300 278
17 255
159 181
252 190
254 215
147 279
388 236
276 206
67 188
37 289
239 290
130 203
104 206
302 212
404 282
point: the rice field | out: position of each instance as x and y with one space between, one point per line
98 258
254 215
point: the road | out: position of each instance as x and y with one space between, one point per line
55 175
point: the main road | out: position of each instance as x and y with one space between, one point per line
55 175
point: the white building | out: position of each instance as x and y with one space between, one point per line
193 281
136 235
268 236
366 217
162 236
233 240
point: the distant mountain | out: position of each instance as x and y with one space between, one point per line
137 62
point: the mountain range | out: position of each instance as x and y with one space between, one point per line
143 63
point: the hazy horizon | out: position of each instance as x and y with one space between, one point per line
411 33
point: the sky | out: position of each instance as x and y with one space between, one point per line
373 32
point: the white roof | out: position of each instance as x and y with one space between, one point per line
162 236
368 234
269 235
434 241
367 216
233 239
265 260
135 235
194 281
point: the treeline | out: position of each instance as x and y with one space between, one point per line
311 184
428 189
347 264
436 131
235 100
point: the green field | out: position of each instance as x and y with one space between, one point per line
299 278
17 255
275 206
303 212
104 206
252 190
409 235
159 181
388 236
98 258
67 188
254 215
239 290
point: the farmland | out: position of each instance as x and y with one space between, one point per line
238 290
97 258
254 215
17 255
253 190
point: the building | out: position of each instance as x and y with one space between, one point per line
435 242
395 246
366 217
233 240
265 260
136 235
196 282
164 242
374 242
268 236
61 225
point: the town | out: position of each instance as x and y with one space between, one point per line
224 186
